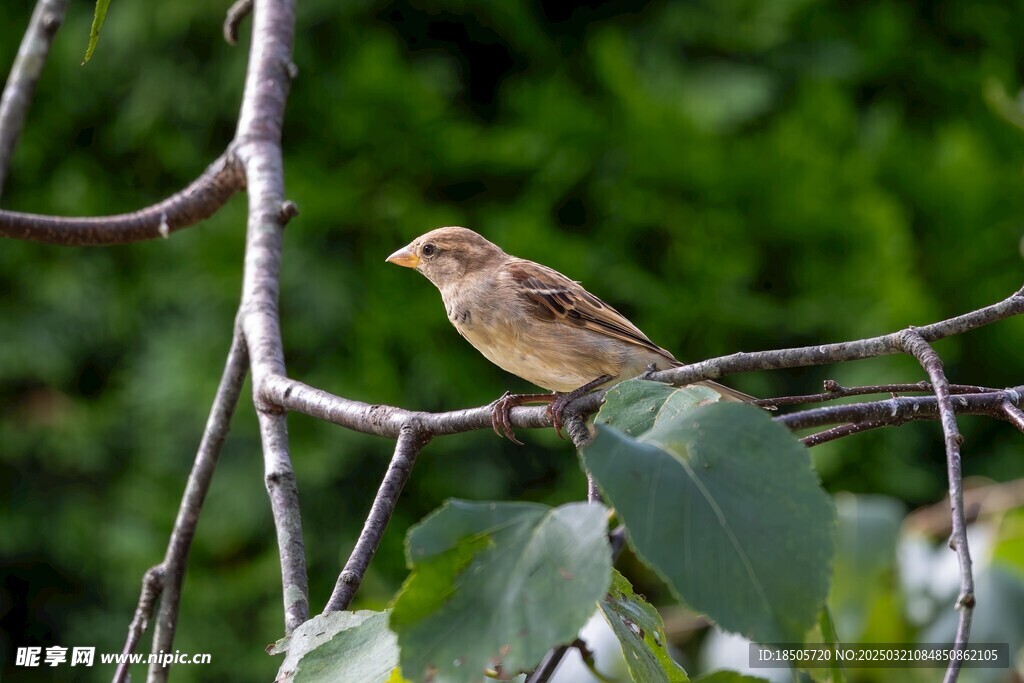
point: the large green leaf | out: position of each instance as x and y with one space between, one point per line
722 502
340 646
641 633
498 584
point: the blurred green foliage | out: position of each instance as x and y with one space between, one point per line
731 174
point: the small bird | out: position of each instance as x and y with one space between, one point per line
534 322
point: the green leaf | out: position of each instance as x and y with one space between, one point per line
340 646
641 633
728 677
97 23
864 576
722 502
1009 544
825 632
636 404
498 584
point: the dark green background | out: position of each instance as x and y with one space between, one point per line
732 175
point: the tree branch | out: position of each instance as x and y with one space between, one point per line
384 420
843 351
198 201
152 586
911 341
236 13
896 411
284 504
840 431
165 579
28 67
980 501
410 440
258 145
1013 415
833 391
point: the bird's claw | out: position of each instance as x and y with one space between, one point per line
500 421
557 411
648 371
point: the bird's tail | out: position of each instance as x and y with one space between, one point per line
728 393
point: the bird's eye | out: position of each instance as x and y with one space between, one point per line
429 250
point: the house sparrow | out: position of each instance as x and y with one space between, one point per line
533 322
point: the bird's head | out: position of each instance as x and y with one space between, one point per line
447 255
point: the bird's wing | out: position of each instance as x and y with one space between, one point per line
552 296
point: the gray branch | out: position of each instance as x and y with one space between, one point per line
834 353
152 587
197 202
258 146
236 13
284 504
165 579
384 420
911 341
21 83
410 440
902 409
1013 415
833 391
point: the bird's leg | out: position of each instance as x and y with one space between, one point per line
500 412
648 371
561 401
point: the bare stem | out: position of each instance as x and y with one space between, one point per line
171 571
896 411
200 200
410 440
912 342
152 586
840 431
843 351
833 391
236 13
28 67
284 504
258 145
1013 415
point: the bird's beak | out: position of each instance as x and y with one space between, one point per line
405 258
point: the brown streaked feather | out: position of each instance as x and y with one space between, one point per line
555 297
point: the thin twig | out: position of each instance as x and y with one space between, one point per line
840 431
410 441
21 83
236 13
284 504
172 569
843 351
197 202
548 665
911 341
999 409
152 587
979 501
1013 415
896 411
833 391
